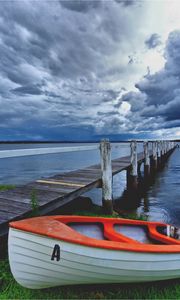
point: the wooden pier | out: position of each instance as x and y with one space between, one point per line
54 192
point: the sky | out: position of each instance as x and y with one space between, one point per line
88 69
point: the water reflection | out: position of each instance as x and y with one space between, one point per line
159 200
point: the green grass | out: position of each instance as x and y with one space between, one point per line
9 289
34 204
6 187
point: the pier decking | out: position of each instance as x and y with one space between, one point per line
55 191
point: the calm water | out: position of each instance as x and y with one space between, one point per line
161 202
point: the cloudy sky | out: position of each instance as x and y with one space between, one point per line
84 69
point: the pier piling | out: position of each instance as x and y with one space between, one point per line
146 160
154 157
158 154
106 169
132 172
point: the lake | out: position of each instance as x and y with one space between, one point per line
161 202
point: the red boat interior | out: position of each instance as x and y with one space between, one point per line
111 233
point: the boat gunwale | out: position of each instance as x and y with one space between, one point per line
39 226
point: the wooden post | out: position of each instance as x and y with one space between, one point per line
166 147
133 172
146 159
162 151
159 153
154 156
165 151
106 168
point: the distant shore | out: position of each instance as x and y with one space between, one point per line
56 142
73 142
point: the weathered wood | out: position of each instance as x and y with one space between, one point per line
8 206
134 158
163 148
166 147
158 153
79 178
132 172
105 152
25 194
54 188
154 156
146 159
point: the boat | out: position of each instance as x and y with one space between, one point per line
67 250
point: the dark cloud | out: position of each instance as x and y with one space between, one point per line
80 5
136 100
126 2
28 89
170 111
172 54
83 6
157 103
153 41
63 65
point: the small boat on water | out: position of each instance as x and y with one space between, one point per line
65 250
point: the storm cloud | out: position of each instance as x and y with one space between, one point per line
71 67
153 41
159 94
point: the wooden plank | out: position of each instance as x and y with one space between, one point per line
10 206
87 170
58 182
25 194
16 198
120 164
85 176
54 188
78 177
9 215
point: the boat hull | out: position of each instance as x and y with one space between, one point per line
35 263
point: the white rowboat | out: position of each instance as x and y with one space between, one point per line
67 250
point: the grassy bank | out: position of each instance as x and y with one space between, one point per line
6 187
9 289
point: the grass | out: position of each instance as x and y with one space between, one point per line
10 289
34 204
6 187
